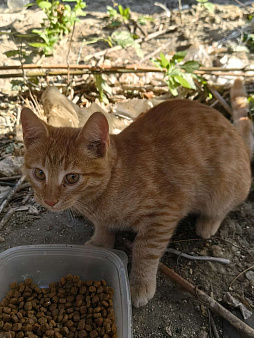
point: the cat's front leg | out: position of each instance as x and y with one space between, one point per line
102 237
149 246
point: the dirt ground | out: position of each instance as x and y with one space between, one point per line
172 312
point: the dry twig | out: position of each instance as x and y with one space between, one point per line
220 99
240 274
210 302
9 214
12 193
10 178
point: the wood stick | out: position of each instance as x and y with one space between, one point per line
129 67
108 71
220 99
210 302
12 193
10 178
9 214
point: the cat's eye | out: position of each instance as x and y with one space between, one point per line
39 174
72 178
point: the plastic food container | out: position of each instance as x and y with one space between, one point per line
48 263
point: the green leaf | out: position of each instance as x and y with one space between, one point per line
106 88
19 35
89 42
44 4
11 53
174 71
209 6
172 87
80 12
38 44
31 4
16 84
185 80
123 38
156 62
164 61
138 50
179 56
120 8
190 66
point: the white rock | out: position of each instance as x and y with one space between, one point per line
250 276
133 108
11 166
4 191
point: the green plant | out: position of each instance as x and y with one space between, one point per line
123 14
248 40
206 4
121 38
59 20
126 39
102 87
142 20
178 74
251 103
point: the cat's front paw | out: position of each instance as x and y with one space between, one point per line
142 292
90 244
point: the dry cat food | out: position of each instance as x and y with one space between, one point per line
68 308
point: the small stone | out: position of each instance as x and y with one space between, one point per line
2 239
217 251
250 276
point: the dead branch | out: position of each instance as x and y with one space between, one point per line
220 99
12 193
111 70
9 214
241 273
11 178
210 302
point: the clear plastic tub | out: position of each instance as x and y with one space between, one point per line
48 263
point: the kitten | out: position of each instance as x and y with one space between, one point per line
179 157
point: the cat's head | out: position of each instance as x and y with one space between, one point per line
66 165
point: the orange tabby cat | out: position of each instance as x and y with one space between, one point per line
179 157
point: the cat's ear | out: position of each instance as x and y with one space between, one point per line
34 129
96 134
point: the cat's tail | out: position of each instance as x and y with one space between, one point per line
240 109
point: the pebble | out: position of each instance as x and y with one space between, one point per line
250 276
2 239
217 251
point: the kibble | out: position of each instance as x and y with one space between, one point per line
68 308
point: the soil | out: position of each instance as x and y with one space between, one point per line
172 312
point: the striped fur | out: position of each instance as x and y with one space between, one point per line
179 157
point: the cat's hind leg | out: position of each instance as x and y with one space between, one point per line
207 226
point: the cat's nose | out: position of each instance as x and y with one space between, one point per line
50 203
